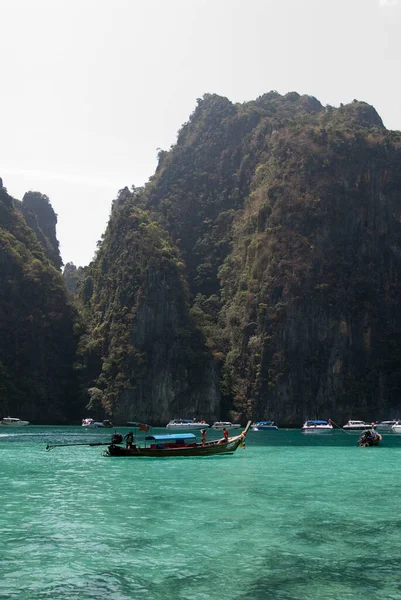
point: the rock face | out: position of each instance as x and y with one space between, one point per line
173 383
40 216
319 278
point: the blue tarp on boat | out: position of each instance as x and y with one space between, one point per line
171 437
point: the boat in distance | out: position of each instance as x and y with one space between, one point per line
264 426
220 425
356 426
317 426
396 428
92 423
179 444
385 426
13 422
186 424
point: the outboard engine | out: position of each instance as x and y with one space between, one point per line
117 438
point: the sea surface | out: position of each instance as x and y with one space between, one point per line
292 517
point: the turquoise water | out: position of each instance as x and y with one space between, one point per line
291 517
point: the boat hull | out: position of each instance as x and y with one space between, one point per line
14 424
171 452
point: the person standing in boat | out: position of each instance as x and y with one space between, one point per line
203 433
129 439
225 433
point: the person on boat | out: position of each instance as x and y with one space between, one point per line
225 433
129 439
203 433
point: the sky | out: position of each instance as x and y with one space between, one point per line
91 89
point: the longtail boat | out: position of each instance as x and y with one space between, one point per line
179 444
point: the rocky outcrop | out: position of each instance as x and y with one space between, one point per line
40 216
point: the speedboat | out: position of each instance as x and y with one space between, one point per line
225 425
92 423
317 426
264 426
385 425
12 422
396 428
186 424
356 426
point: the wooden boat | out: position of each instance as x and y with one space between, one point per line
179 444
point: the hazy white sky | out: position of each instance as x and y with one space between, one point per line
91 88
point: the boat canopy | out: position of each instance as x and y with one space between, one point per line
168 437
317 422
264 422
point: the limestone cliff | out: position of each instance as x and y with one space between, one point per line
38 327
257 273
146 357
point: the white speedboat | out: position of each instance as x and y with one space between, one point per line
264 426
396 428
385 425
92 423
225 425
186 424
317 426
357 426
12 422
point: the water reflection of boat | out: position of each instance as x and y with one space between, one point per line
317 426
178 444
13 422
